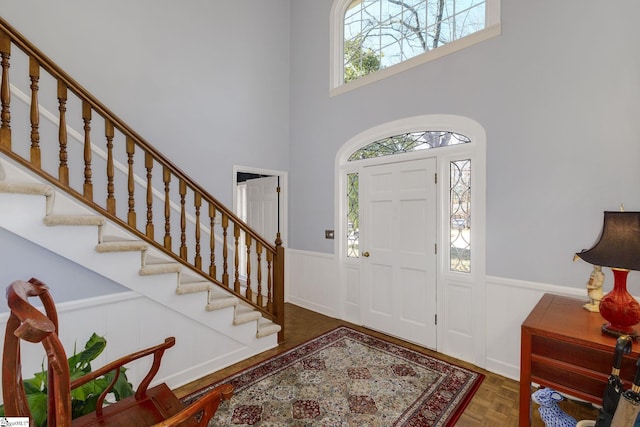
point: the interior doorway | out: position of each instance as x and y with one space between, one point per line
260 199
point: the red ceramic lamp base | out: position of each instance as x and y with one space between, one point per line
609 329
619 308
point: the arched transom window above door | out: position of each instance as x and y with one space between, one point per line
408 142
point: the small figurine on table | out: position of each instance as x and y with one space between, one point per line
594 289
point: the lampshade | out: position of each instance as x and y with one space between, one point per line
619 242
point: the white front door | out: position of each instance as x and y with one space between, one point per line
398 252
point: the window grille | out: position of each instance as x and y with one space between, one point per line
382 33
460 215
408 142
353 213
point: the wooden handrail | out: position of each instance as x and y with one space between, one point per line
260 285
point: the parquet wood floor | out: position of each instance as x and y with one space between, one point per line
495 403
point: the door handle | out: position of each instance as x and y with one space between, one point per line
366 254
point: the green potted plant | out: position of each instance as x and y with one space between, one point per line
83 399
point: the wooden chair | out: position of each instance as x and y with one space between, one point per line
156 406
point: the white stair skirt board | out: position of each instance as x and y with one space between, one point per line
44 215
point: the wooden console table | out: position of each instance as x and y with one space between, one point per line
562 347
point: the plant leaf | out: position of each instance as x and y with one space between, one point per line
35 384
38 406
88 406
122 388
92 349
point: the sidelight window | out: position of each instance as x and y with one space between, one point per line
460 215
353 216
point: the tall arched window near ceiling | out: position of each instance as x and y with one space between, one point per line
459 199
369 37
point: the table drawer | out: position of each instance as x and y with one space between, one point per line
577 384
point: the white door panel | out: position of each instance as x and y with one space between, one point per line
398 231
262 206
262 216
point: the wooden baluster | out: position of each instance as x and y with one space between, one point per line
212 240
183 220
5 92
111 200
166 178
269 281
236 252
225 250
248 291
34 75
259 300
131 186
63 168
88 185
197 204
148 164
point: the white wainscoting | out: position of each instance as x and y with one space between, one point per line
508 303
131 322
312 282
455 320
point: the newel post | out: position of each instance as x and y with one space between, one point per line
278 287
5 95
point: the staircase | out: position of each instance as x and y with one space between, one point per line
66 228
83 199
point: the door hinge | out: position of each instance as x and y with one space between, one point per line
436 319
435 178
435 248
278 189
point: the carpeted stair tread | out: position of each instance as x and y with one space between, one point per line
122 246
221 300
53 220
266 327
161 268
33 188
245 314
193 287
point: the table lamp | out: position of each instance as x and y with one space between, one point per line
618 248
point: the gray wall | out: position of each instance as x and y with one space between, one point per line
22 260
206 82
217 83
558 94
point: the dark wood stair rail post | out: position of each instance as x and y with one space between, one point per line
278 288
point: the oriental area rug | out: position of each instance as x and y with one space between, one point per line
347 378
